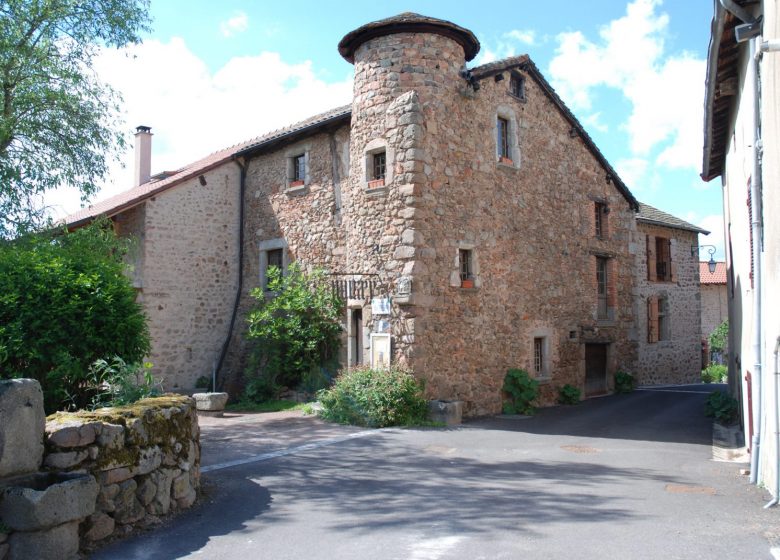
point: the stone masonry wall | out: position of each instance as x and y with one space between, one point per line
145 458
714 307
678 358
190 273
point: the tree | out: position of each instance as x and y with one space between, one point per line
58 122
297 330
65 302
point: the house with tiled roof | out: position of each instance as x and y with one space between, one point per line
469 222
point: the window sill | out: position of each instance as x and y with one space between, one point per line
521 98
295 189
544 380
376 191
509 164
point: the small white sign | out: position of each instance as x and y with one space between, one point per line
380 306
380 350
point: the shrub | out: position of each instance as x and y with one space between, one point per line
719 337
296 332
521 390
722 407
65 301
375 398
624 382
714 373
568 394
116 383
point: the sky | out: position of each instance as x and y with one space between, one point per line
212 74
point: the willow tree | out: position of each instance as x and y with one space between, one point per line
58 123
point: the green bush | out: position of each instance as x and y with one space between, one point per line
719 337
722 407
375 398
116 383
521 391
624 382
568 394
714 373
296 334
65 301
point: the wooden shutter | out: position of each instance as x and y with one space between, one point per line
672 264
651 258
652 319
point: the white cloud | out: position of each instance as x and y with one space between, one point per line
665 92
194 112
594 121
632 171
527 36
236 24
714 224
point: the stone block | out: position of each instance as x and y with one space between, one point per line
72 433
112 436
181 486
149 459
446 412
146 491
65 460
128 507
98 526
22 422
106 496
58 543
210 401
45 500
114 476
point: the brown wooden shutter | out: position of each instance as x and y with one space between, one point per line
672 264
652 319
651 258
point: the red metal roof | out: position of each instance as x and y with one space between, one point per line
717 277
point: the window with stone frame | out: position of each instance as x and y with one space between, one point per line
539 357
378 166
658 320
274 259
517 85
602 288
273 253
502 140
466 261
660 267
601 215
296 170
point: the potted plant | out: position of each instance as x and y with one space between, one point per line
467 283
376 183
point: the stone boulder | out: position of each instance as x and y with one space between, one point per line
210 402
22 422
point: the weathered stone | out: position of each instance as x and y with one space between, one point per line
187 500
163 479
181 486
210 401
58 543
146 492
115 475
22 422
445 412
106 496
112 436
149 459
65 460
45 500
98 526
136 432
128 507
72 433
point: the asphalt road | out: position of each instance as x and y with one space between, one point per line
625 476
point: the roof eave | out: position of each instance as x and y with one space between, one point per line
710 87
672 226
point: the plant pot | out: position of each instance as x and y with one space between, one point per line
376 183
505 160
469 283
298 183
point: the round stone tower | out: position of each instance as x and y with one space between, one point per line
407 80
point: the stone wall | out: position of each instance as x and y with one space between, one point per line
145 458
677 359
714 307
189 274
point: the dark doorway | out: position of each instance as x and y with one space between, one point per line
357 337
595 369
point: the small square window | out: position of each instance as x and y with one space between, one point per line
517 86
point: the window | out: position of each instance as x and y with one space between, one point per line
273 254
602 280
600 209
517 85
379 165
660 267
658 324
539 357
502 131
274 259
466 268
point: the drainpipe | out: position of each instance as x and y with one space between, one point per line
776 499
242 164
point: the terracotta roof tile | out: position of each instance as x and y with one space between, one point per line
135 195
717 277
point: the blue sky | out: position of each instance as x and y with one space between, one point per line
212 74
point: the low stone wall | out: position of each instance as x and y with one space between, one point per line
145 458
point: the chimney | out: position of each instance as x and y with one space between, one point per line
143 154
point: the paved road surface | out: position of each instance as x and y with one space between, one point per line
624 477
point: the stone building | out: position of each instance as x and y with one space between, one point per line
714 298
668 298
467 218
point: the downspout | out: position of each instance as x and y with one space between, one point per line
242 164
776 499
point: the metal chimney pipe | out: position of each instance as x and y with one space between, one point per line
143 155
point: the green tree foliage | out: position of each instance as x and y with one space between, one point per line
58 123
297 331
65 302
375 397
718 338
520 391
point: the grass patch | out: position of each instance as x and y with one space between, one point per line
267 406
